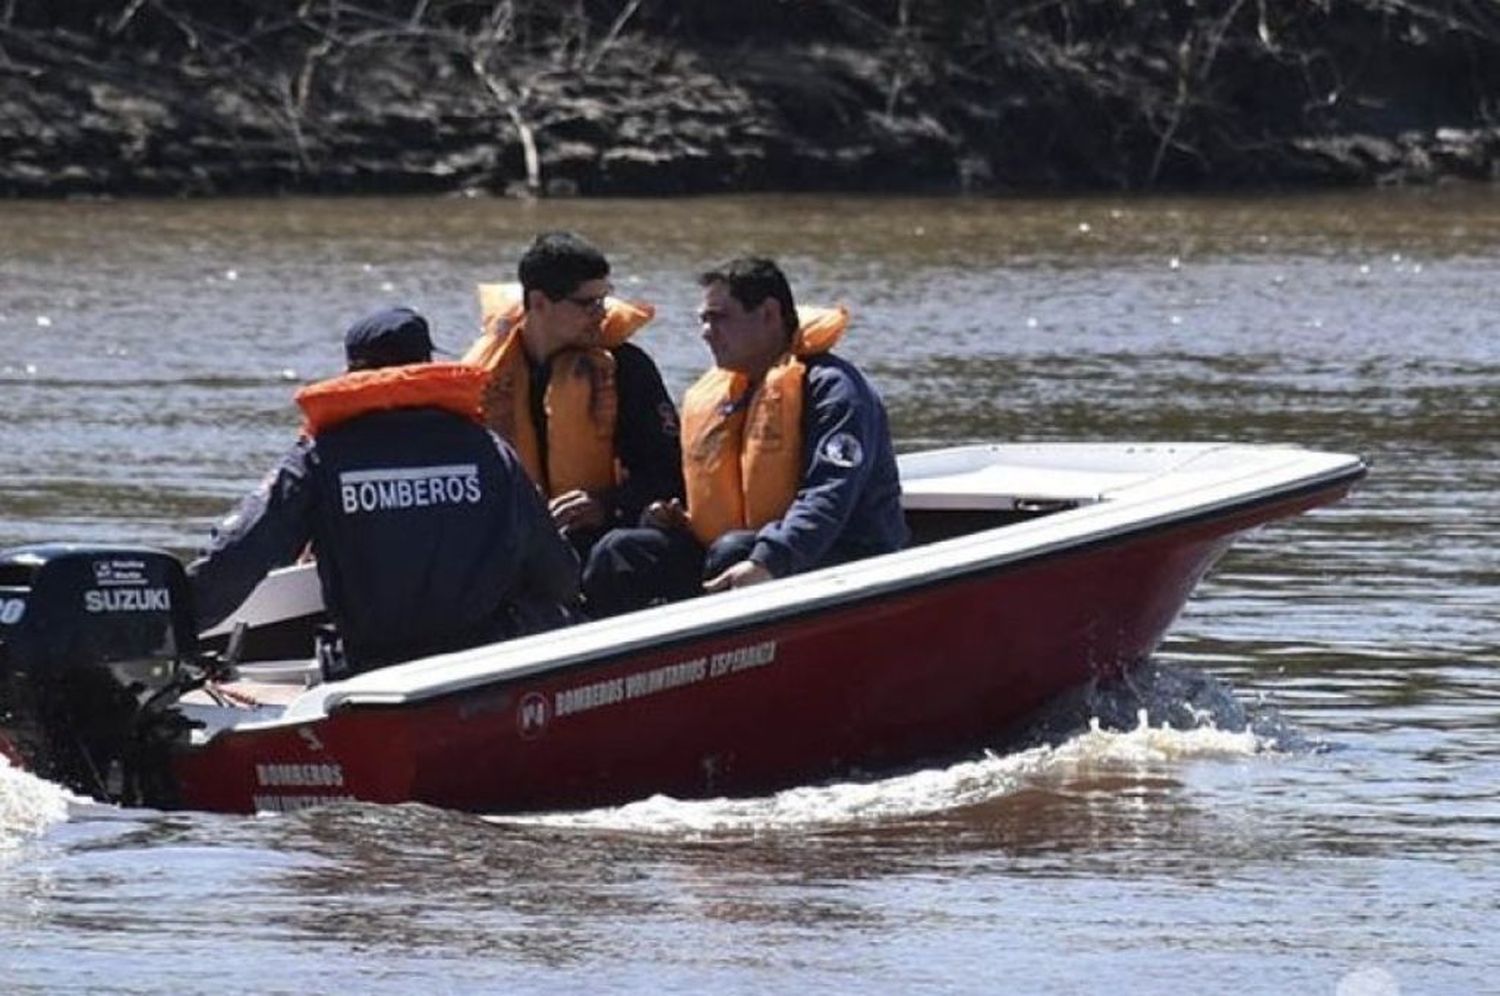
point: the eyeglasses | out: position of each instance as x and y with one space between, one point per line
596 302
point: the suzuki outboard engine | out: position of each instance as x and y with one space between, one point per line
95 645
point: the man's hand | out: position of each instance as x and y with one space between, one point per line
576 510
665 515
741 575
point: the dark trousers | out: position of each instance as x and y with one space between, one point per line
629 569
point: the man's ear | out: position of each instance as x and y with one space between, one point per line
536 299
770 310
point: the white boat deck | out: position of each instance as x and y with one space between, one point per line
1011 476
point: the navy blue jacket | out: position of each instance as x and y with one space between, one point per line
848 504
427 531
646 434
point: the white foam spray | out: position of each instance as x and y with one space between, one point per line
920 793
28 805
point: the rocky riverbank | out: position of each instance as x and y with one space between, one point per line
147 98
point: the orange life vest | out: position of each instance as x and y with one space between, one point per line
742 458
453 387
581 401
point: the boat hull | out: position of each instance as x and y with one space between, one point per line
882 681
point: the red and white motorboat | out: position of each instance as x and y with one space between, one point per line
1034 570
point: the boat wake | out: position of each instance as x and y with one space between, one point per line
1175 717
28 805
1181 697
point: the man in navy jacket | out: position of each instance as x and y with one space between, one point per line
429 536
847 503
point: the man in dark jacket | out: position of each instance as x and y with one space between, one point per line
566 297
429 536
847 493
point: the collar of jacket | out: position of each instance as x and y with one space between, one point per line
452 387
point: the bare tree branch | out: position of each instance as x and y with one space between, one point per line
125 16
510 103
623 18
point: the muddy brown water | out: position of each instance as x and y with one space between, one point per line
1349 843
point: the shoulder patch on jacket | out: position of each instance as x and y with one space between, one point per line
843 449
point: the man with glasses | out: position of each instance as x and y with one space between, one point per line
586 410
788 458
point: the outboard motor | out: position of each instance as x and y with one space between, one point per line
96 643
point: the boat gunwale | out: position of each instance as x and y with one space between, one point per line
833 589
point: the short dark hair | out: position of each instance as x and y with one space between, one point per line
752 279
557 262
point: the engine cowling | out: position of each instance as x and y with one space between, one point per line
90 636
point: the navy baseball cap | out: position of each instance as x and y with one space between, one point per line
389 337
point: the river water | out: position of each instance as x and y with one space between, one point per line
1322 816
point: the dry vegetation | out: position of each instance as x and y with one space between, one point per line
536 96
